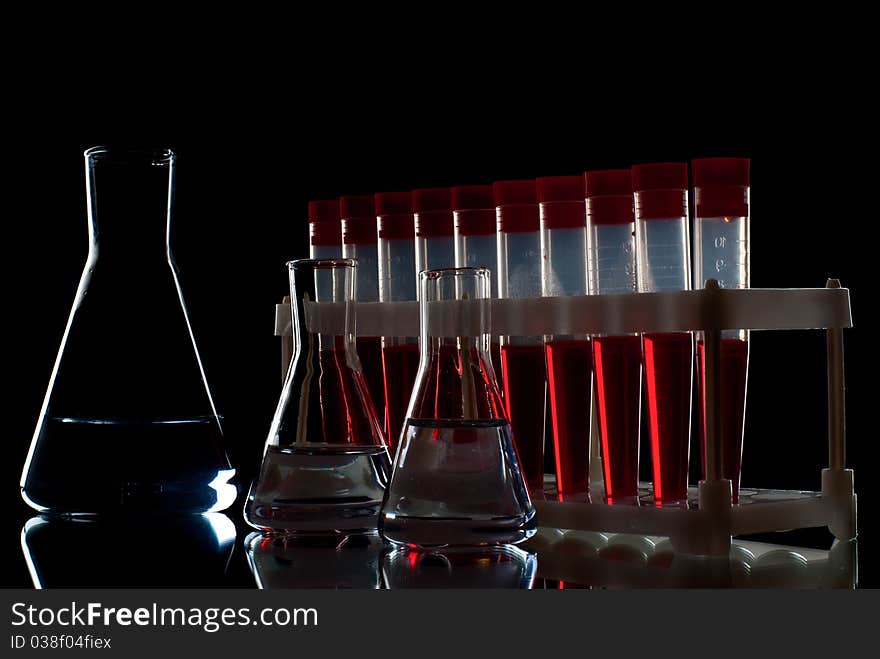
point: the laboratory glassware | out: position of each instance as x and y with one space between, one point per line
523 371
505 566
457 479
721 252
397 283
325 233
569 358
617 360
663 264
325 464
128 422
473 208
359 241
434 229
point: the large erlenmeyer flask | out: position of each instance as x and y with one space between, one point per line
128 422
325 465
457 477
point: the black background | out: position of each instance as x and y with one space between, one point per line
258 133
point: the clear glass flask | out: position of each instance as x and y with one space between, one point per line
617 360
663 264
457 477
721 252
325 465
128 423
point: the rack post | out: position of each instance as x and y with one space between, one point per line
836 396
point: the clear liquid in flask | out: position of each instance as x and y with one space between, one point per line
318 487
475 493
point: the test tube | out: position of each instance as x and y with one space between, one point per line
473 208
617 360
359 238
569 358
325 234
663 264
397 283
721 251
435 244
523 371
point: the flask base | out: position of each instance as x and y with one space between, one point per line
319 488
451 532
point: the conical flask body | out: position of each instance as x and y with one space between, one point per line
128 422
325 465
457 478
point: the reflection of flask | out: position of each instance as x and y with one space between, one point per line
485 567
128 422
176 551
457 479
325 464
315 561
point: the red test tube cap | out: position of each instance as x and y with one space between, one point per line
721 187
356 206
508 193
660 190
474 207
433 212
608 182
394 215
562 201
609 196
516 205
358 219
324 210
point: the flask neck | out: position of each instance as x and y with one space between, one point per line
129 202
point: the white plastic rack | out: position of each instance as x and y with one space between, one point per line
706 525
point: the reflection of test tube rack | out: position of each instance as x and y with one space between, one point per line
704 527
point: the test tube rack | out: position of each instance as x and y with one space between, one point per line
622 560
706 526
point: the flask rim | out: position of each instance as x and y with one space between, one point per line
153 156
468 271
322 264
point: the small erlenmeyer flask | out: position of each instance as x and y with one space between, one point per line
128 423
457 477
325 465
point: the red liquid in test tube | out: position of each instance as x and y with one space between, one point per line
522 367
732 396
663 264
721 252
